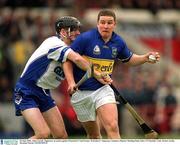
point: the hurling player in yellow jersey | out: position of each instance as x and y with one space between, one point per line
101 46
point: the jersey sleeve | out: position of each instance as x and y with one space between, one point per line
125 53
59 53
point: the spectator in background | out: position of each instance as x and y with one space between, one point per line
127 4
142 4
155 5
177 4
6 79
149 98
168 4
176 43
166 104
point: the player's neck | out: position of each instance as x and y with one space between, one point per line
106 39
67 41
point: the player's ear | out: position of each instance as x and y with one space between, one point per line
63 32
115 23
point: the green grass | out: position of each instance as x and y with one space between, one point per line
164 136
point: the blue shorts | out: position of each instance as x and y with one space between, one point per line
27 97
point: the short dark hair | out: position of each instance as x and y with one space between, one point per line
106 12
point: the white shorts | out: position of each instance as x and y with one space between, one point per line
85 103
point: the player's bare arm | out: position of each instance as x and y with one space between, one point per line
150 57
68 71
78 60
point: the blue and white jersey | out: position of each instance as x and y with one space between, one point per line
44 68
102 54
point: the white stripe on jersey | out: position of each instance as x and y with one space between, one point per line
41 68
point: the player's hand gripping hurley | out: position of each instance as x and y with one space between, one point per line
102 77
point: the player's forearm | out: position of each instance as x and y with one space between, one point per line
79 61
150 57
68 71
137 60
83 64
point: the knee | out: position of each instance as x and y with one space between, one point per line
45 134
94 136
60 135
113 126
64 136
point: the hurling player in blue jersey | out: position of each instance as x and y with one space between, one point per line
101 46
44 71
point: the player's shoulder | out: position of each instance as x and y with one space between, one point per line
53 40
116 37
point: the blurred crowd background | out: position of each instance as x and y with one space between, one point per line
154 90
